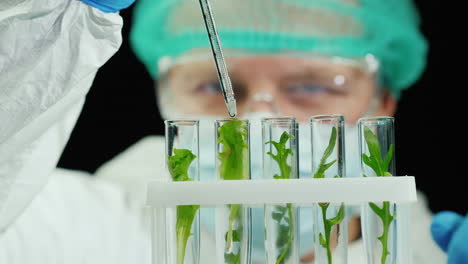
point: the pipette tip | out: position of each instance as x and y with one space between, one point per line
232 107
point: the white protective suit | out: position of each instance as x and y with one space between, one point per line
50 51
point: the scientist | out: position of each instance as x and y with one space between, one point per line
290 57
50 51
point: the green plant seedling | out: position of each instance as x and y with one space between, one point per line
325 240
233 166
283 215
380 167
178 165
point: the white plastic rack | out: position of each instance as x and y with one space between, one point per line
352 191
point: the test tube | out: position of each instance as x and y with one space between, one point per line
233 234
328 161
182 222
280 161
379 219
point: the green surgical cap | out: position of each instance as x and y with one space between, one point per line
387 29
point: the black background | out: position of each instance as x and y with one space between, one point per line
121 109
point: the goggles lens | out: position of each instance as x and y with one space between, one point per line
283 86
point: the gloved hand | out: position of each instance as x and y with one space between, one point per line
450 231
109 6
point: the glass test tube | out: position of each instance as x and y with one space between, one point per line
377 145
182 222
328 161
233 234
280 161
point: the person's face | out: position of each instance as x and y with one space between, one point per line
280 85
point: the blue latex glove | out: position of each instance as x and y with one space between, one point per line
450 231
109 6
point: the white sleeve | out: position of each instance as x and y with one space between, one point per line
76 219
50 51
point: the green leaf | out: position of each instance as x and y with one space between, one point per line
374 161
372 142
281 209
387 174
282 154
377 210
272 155
283 215
277 177
179 164
234 157
277 216
327 166
232 258
323 166
235 236
322 241
367 160
374 150
282 236
284 138
339 216
371 163
388 158
330 147
319 175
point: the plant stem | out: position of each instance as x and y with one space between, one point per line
384 215
232 217
185 217
181 244
290 236
327 228
387 220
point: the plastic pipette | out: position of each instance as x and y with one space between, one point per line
221 67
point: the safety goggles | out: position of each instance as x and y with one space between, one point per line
282 85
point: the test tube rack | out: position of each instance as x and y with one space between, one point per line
302 192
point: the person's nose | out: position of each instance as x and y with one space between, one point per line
262 101
261 97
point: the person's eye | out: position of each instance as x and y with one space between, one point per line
211 88
306 89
